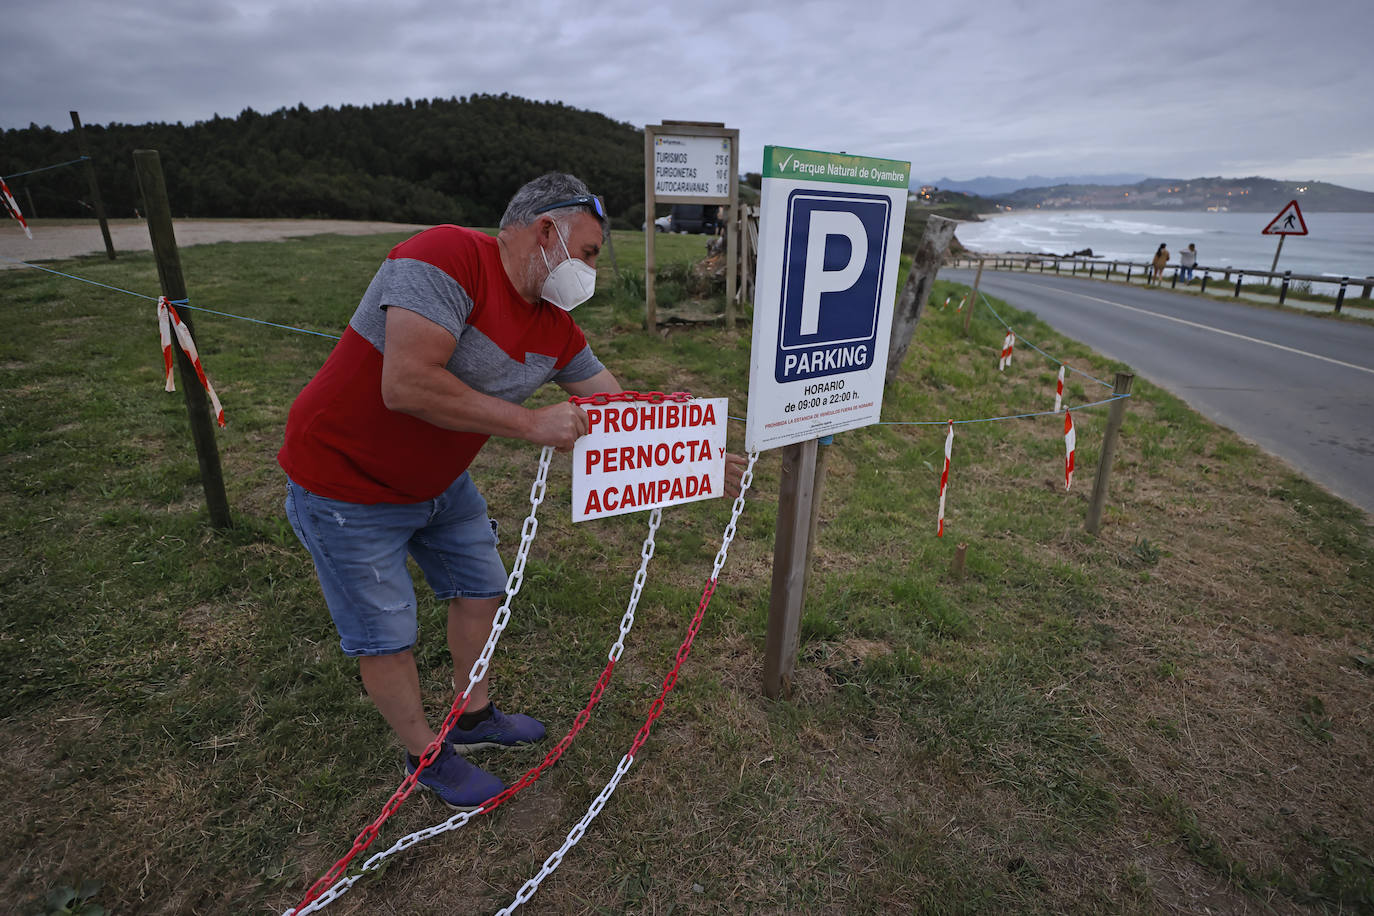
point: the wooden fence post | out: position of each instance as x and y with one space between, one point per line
731 264
956 566
745 255
795 498
973 297
817 492
96 200
1104 463
159 214
650 305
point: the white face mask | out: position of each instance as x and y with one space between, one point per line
571 282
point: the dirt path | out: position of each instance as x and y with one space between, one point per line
68 240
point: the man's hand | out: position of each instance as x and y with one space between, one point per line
734 473
559 425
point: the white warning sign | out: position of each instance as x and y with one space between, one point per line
1288 222
638 455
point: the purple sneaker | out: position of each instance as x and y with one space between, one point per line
500 730
461 785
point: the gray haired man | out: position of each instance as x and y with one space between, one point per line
455 332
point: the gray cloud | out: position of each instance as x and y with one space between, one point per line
1167 88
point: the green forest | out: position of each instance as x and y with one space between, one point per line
455 160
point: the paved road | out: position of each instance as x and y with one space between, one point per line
1300 387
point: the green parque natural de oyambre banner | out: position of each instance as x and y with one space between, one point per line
806 164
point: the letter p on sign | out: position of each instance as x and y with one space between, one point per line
821 278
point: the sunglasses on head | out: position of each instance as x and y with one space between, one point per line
589 201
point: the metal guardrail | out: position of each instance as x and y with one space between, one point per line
1098 267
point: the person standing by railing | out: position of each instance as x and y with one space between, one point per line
1157 265
1187 260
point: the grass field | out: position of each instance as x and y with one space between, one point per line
1176 716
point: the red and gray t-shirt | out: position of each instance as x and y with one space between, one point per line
343 443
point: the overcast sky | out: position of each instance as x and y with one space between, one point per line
1280 88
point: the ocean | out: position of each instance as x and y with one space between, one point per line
1337 244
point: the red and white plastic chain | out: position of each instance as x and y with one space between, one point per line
653 397
460 819
552 862
332 884
325 889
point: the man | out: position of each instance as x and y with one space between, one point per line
1187 260
455 331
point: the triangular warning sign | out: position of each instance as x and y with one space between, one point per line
1288 222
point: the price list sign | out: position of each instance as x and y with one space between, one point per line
691 167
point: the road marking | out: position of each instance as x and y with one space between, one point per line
1205 327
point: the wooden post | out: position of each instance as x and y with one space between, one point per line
610 246
650 230
746 253
817 492
159 214
96 200
28 196
956 568
973 297
1104 463
925 265
795 497
731 255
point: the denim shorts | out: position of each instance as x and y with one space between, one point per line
360 557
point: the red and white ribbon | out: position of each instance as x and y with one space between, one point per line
944 478
1070 443
1008 344
946 305
167 319
14 207
960 307
1059 391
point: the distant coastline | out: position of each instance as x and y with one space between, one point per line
1339 243
1255 194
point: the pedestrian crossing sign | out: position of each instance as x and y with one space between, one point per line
1288 222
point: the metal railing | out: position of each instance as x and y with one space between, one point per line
1127 270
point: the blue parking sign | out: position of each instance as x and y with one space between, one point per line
829 243
834 255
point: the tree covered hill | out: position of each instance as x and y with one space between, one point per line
1250 194
441 160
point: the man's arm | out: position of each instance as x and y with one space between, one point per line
601 383
414 381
